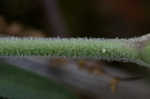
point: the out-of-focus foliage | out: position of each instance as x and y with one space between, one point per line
94 18
19 84
18 29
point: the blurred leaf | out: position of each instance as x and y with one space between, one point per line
18 84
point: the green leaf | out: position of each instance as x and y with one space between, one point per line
19 84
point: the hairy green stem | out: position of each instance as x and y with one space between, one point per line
137 49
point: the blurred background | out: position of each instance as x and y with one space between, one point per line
75 18
83 18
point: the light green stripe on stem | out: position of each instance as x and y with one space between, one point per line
96 48
145 53
133 50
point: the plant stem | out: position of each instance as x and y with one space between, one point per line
106 49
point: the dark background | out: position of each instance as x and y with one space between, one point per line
74 18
